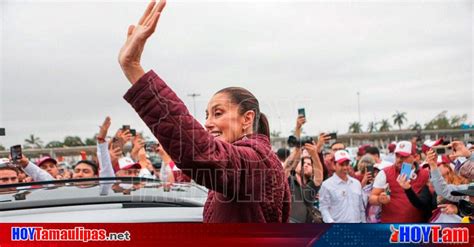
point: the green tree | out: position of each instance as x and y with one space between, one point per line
384 125
91 141
456 121
440 121
355 127
415 126
275 133
399 118
33 142
73 141
54 144
2 148
372 127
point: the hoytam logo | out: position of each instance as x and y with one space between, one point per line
75 234
429 234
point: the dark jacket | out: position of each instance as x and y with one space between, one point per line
245 178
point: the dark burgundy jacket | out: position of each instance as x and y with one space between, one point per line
245 179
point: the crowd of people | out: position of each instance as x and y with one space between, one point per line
231 155
372 187
111 160
326 183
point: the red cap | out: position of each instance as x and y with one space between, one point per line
362 148
391 147
44 159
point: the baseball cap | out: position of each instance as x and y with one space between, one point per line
404 148
392 146
45 159
126 163
341 156
429 144
361 150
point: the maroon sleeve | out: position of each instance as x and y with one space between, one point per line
216 164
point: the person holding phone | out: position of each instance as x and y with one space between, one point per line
231 156
396 207
36 173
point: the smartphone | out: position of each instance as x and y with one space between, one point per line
406 170
301 112
370 168
125 127
333 135
133 132
151 147
15 152
443 150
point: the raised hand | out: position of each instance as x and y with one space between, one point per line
300 121
460 150
404 182
104 128
323 138
131 52
431 159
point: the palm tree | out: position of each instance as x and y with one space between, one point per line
33 142
372 127
385 125
355 127
399 118
415 126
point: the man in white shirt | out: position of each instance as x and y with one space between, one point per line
340 196
9 173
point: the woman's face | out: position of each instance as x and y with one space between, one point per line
224 121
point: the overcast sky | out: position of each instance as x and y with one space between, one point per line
60 76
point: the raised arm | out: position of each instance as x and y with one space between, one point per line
105 162
317 165
292 161
441 187
32 170
137 35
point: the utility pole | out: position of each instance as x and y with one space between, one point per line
194 95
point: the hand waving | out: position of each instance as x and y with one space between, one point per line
131 52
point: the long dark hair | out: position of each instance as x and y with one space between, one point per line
247 102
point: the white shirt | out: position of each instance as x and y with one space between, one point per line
36 173
106 169
380 181
341 201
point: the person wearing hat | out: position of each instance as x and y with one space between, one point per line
387 192
390 157
8 173
340 196
50 165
